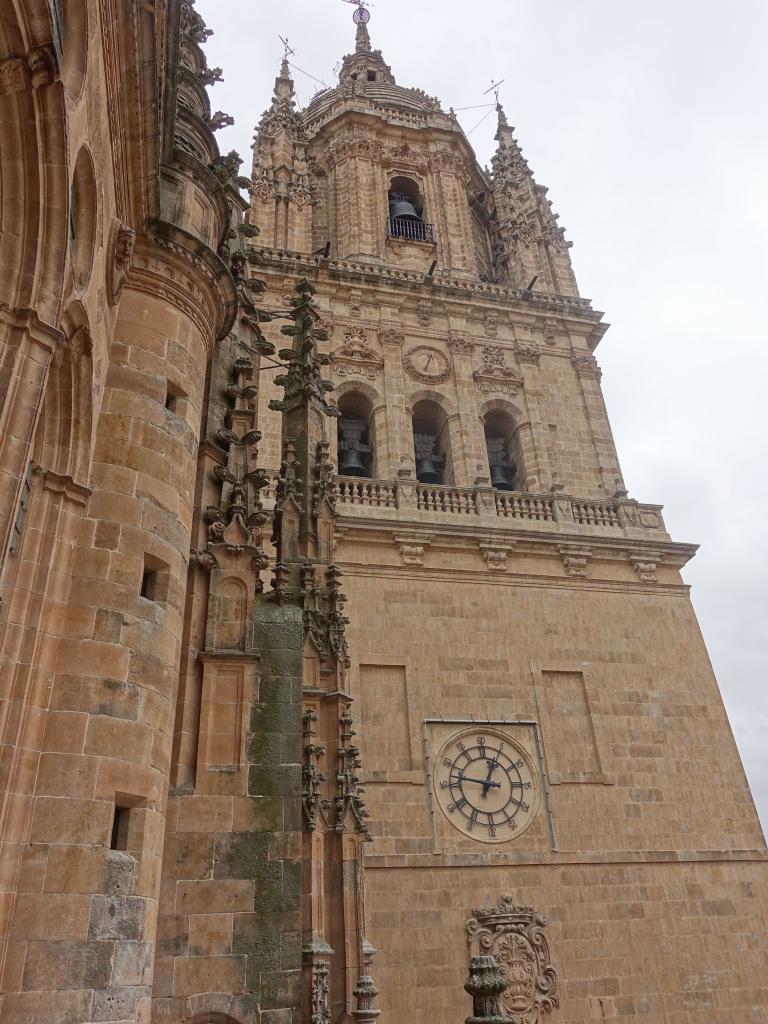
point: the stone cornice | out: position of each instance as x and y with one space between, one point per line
531 538
386 276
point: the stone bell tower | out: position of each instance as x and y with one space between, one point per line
550 775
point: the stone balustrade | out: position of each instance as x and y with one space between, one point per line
552 507
406 497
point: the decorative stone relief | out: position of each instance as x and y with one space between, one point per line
512 939
575 560
424 312
586 365
356 357
405 156
495 375
527 353
412 554
491 325
549 329
264 190
391 336
495 558
458 343
355 302
645 567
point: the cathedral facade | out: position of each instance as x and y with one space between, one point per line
339 671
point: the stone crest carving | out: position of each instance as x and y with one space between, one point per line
495 375
356 356
514 937
424 312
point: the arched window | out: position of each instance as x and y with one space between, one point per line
356 449
430 442
405 211
503 454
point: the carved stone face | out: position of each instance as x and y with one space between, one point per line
124 242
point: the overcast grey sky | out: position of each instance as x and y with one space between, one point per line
649 123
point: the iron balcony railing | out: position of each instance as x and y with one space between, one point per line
413 230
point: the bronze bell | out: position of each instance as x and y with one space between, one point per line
352 463
502 477
402 209
428 471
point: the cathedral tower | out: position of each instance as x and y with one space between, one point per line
336 662
541 733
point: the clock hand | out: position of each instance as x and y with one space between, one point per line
480 782
487 784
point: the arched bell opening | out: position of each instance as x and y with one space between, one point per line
406 209
503 451
431 443
356 449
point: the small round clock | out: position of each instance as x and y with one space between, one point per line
486 786
427 364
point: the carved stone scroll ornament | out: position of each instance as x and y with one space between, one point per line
514 937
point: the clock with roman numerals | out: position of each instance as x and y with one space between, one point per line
486 785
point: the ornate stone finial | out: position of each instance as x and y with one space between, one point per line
486 984
362 39
365 992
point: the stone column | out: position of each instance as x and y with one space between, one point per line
471 462
398 455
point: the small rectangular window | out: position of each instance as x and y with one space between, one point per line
118 839
155 578
371 76
174 399
148 584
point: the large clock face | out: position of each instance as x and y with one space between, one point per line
486 785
